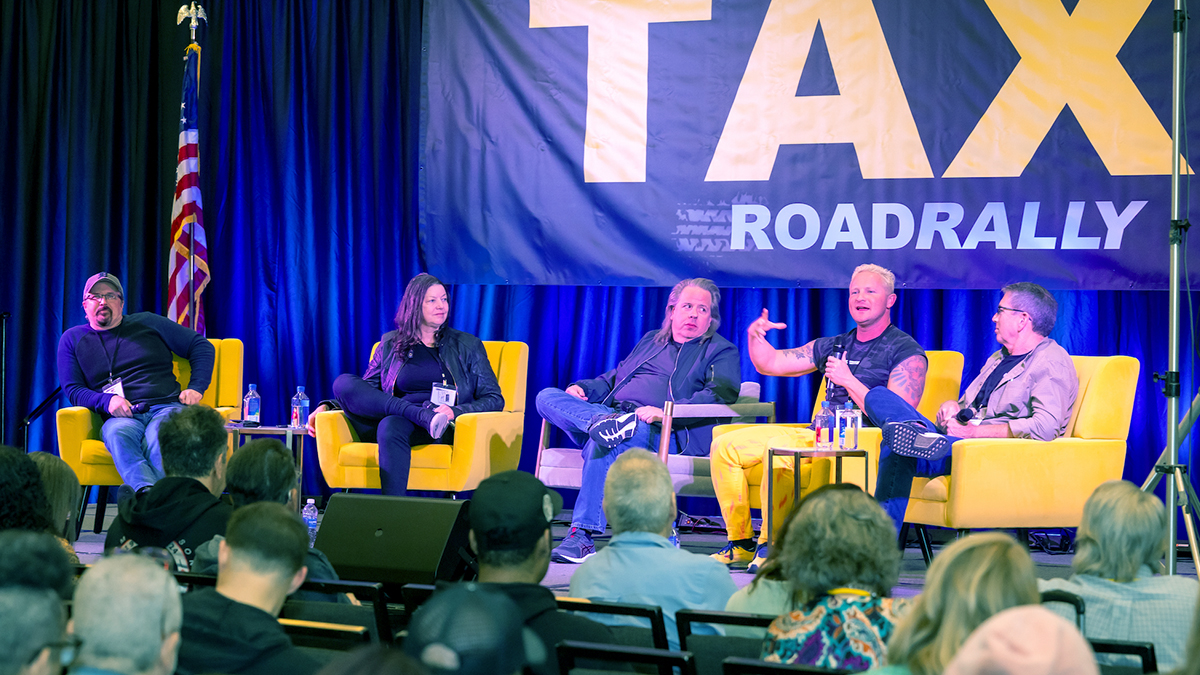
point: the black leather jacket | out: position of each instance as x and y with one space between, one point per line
462 354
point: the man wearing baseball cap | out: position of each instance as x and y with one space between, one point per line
121 367
510 516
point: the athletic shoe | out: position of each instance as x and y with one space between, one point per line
576 547
760 557
434 422
610 430
733 555
911 440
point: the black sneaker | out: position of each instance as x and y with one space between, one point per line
575 548
434 422
910 440
611 429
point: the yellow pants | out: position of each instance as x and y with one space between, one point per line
733 455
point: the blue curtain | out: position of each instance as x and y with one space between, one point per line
309 155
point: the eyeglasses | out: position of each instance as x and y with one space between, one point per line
67 649
1002 308
104 297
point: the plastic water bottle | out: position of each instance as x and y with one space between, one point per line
299 408
849 421
823 426
252 408
674 538
310 519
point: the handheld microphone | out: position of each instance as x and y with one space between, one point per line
965 415
140 408
837 352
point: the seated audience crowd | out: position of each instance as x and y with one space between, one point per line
828 580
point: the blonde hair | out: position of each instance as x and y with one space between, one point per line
974 578
1122 529
884 273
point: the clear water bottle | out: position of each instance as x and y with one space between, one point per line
824 426
299 408
849 421
252 408
310 519
674 538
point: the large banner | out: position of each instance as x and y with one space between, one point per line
962 143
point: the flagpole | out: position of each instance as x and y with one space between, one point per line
196 13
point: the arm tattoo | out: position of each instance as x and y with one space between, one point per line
908 379
803 354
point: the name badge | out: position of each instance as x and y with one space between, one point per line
443 395
114 387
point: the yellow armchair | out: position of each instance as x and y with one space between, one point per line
1022 483
484 443
942 381
79 442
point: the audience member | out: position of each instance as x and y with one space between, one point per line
63 493
1121 541
640 565
467 629
35 577
233 628
841 561
263 471
968 582
1028 640
126 617
769 592
510 531
375 659
183 510
23 502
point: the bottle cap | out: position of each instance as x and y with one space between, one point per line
311 501
299 388
253 387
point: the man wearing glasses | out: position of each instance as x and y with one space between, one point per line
1025 390
121 367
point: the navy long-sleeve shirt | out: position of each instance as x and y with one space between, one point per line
139 351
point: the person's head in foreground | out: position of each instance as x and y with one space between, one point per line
510 527
970 581
23 502
469 630
261 560
127 616
31 631
1122 530
1027 640
193 442
262 471
35 560
638 494
840 538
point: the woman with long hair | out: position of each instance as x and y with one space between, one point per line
421 377
841 561
972 579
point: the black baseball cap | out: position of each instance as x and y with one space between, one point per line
512 509
469 629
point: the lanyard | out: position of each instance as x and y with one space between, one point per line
848 591
112 360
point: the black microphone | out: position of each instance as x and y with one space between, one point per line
965 415
140 408
837 352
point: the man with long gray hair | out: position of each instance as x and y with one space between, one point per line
640 565
685 361
127 616
1122 539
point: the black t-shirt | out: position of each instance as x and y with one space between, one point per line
647 385
415 380
1007 363
871 362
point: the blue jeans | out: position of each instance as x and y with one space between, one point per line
574 416
896 472
133 443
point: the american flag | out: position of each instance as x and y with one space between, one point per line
188 263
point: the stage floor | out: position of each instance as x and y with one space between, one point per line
912 571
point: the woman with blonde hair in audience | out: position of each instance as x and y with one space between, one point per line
841 561
972 579
62 491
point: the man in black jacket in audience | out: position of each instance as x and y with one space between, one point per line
510 516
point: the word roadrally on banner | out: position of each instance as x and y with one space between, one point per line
782 142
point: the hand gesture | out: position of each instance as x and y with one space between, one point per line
119 407
190 397
758 329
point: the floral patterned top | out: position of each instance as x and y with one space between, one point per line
847 629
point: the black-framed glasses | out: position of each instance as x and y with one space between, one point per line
104 297
67 648
1002 308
